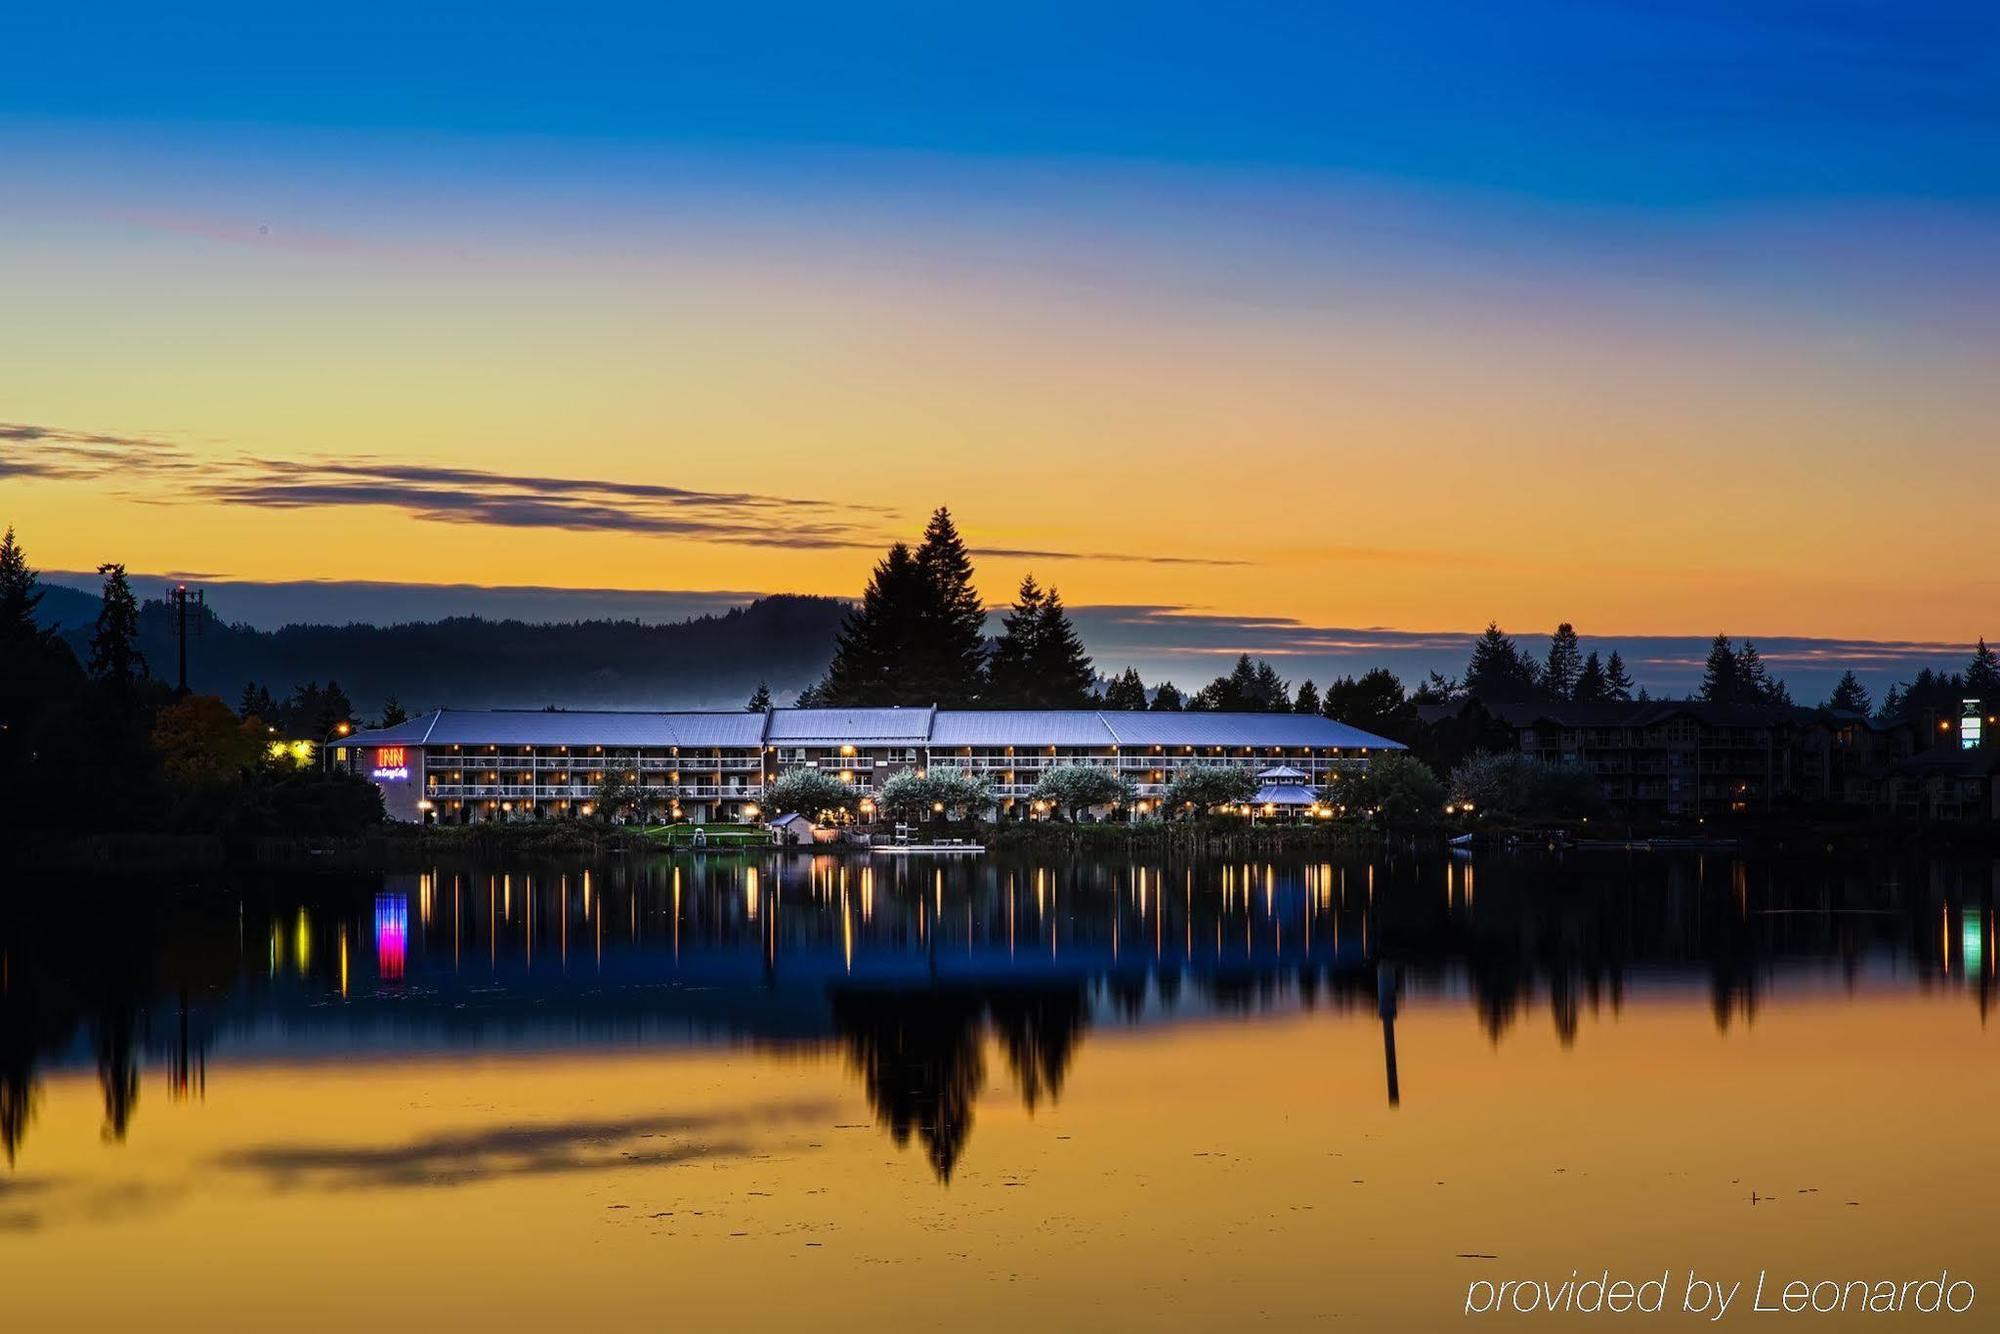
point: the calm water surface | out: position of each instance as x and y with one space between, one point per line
726 1093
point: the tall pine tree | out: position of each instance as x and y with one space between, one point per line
1061 672
1591 685
1758 685
1564 664
1498 671
1617 681
1722 676
1982 674
947 664
1009 684
114 643
1849 695
879 635
19 594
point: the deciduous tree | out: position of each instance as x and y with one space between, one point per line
1074 788
1203 787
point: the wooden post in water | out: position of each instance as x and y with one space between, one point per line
1385 999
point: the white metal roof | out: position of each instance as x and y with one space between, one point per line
833 726
1020 727
1236 731
567 727
942 729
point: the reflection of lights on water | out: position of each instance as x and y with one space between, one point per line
302 943
392 935
1971 942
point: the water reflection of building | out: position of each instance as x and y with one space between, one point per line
938 982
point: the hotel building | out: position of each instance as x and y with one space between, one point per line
461 765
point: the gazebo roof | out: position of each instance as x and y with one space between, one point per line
1283 773
1285 794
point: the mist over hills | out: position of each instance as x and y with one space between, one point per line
709 661
529 646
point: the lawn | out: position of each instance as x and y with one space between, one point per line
716 835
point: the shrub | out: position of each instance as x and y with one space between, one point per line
1510 783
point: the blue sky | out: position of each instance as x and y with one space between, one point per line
1665 104
1661 318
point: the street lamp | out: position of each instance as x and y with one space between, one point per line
340 729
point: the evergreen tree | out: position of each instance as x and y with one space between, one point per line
1060 671
1757 684
19 595
1126 691
1307 700
1591 685
948 665
1270 693
1250 687
1168 699
1617 681
1373 702
761 700
257 702
1722 677
869 652
1849 695
393 712
334 709
114 644
1498 671
1982 674
1437 688
1565 663
1009 680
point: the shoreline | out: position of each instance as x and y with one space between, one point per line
394 846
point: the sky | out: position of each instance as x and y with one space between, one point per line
1662 318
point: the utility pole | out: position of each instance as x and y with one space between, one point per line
181 596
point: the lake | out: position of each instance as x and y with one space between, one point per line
734 1092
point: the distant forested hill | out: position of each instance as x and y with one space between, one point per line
708 662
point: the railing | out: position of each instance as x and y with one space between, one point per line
586 791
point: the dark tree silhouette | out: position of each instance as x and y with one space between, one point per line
1849 695
115 658
1617 681
1126 691
1039 1029
1498 671
1564 663
1591 685
921 1062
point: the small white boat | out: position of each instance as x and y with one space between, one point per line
1462 841
932 849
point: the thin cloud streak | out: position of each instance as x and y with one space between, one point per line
1029 553
160 472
